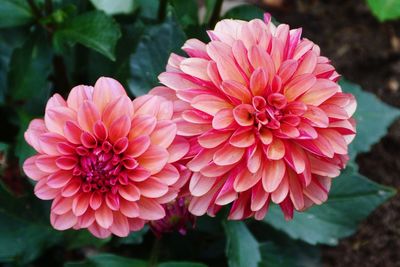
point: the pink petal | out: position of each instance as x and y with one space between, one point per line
298 86
88 115
254 159
120 226
273 173
322 90
152 188
61 205
178 149
138 146
72 132
258 197
154 159
228 155
129 192
59 179
149 209
31 170
43 191
96 199
281 192
258 82
236 90
245 180
213 138
104 216
78 95
209 104
80 204
117 108
200 185
47 163
190 129
276 150
35 129
56 117
128 208
242 137
296 191
71 188
142 125
196 67
105 91
64 221
98 231
223 119
164 133
169 175
243 115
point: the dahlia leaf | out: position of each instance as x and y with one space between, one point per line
94 30
106 260
82 238
385 9
352 198
244 12
289 254
15 13
242 248
134 238
115 7
181 264
29 68
186 11
24 230
152 54
373 117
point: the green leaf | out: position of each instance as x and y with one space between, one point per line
245 12
29 69
94 30
76 239
107 260
242 248
352 198
9 40
385 9
210 5
293 254
181 264
115 7
373 117
149 9
15 13
134 238
152 54
24 228
186 11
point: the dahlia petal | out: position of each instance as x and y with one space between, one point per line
200 185
243 114
112 201
209 104
336 140
287 208
116 108
86 219
138 174
258 197
154 159
64 221
308 63
178 149
43 191
47 163
316 117
254 159
196 67
322 90
61 205
295 157
138 146
213 138
324 168
59 179
316 193
259 58
334 111
55 101
227 194
296 191
66 162
198 205
152 188
88 115
259 81
128 208
72 132
80 204
287 70
273 174
66 148
228 155
164 133
189 129
120 226
104 216
169 175
78 95
265 136
276 149
99 231
120 128
281 192
105 91
245 180
142 125
240 207
35 129
236 90
149 209
223 119
195 48
71 188
176 81
96 199
196 116
239 52
202 159
56 117
298 86
129 192
31 170
214 170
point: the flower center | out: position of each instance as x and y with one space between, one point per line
104 167
269 112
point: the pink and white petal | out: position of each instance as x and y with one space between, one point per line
56 117
236 90
178 149
322 90
152 188
129 192
149 209
209 104
164 133
43 191
228 155
78 95
154 159
138 146
298 86
128 208
61 205
47 163
200 185
169 175
196 67
88 115
104 216
32 171
223 119
296 190
120 226
276 149
243 114
99 231
281 192
254 158
273 174
191 129
245 180
243 137
105 91
59 179
64 221
80 204
258 197
116 108
36 128
142 125
213 138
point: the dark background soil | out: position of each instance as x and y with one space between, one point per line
368 53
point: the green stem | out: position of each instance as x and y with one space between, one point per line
155 251
215 14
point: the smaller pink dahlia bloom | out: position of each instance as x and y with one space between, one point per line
265 117
107 163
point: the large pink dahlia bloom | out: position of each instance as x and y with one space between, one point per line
265 116
107 163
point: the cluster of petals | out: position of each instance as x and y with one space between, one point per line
265 117
107 163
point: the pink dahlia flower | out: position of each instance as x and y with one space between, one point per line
265 116
107 163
